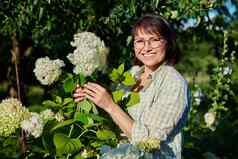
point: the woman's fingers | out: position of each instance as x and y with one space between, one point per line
78 99
89 92
91 87
79 94
95 86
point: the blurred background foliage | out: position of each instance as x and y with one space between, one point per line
207 34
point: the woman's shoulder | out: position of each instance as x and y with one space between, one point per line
171 75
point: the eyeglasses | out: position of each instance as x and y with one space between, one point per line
153 42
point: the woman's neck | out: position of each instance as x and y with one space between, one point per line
149 70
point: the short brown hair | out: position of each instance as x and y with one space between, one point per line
154 24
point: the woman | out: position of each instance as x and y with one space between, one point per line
164 95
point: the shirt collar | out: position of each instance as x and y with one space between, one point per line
152 76
154 73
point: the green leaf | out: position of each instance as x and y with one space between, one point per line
49 103
85 105
96 117
67 101
63 124
66 145
134 98
82 79
41 13
78 156
105 134
58 99
116 74
128 40
117 95
84 118
94 108
128 79
69 85
70 105
120 69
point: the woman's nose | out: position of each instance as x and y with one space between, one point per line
147 46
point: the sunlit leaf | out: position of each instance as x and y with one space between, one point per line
67 101
49 103
117 95
105 134
58 99
82 117
128 79
85 105
134 98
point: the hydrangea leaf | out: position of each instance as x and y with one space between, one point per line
116 74
78 156
82 117
134 98
96 117
66 145
94 108
85 105
49 103
117 95
128 79
58 99
63 124
82 79
67 101
105 134
69 85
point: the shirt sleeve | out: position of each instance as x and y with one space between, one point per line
161 118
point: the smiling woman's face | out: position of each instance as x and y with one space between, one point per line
150 49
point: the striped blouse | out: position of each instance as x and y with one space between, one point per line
162 111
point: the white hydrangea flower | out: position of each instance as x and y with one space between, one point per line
90 53
209 118
47 115
11 114
198 95
34 125
59 117
48 71
227 70
149 144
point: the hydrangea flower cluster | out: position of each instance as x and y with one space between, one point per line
198 96
210 118
33 125
12 113
149 144
47 115
59 117
48 71
90 53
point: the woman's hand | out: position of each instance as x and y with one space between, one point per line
98 95
79 94
103 99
